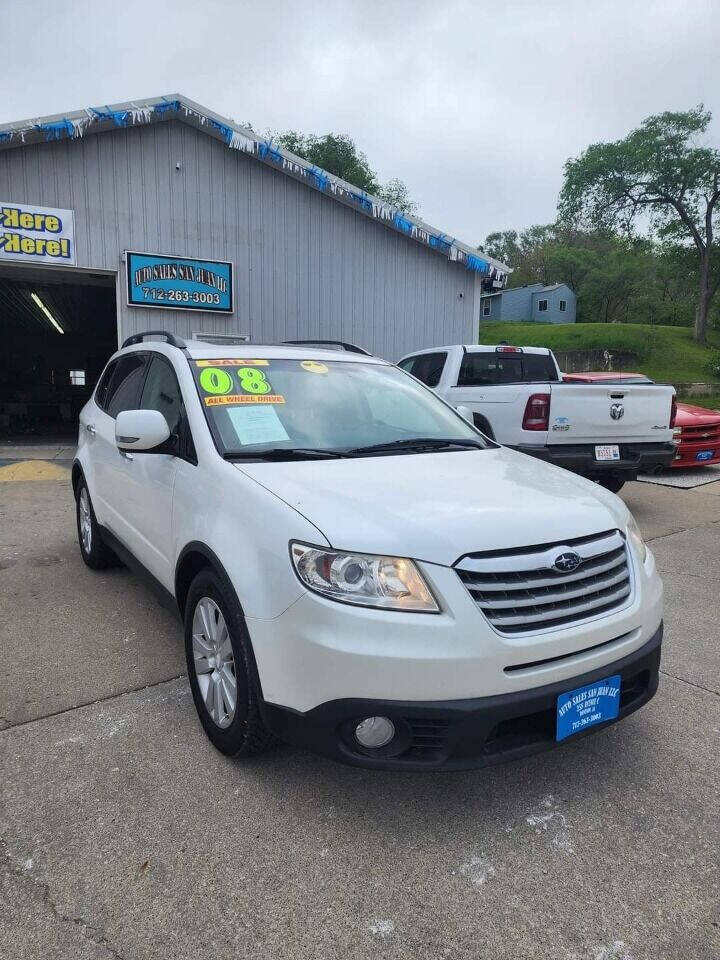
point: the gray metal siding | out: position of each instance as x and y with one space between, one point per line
305 265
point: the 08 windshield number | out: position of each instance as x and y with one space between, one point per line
217 381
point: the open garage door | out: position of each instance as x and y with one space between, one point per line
57 330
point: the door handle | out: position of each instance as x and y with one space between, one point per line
90 429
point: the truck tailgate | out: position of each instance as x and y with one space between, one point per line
608 413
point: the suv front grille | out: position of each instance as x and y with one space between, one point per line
519 591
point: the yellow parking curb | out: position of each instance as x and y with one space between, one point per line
26 470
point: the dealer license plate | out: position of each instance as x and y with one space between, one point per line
582 708
705 455
607 451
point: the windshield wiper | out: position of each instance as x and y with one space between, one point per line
284 453
417 443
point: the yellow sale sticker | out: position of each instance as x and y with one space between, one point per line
244 398
313 366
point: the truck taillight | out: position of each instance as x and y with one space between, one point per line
537 412
673 411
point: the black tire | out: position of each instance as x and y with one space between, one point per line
614 484
95 552
483 426
246 733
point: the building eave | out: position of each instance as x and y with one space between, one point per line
93 120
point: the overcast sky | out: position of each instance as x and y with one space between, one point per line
476 105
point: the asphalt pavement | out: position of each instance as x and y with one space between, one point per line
124 834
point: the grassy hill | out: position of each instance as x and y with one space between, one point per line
665 353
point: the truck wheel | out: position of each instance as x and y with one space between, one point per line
221 669
614 484
483 426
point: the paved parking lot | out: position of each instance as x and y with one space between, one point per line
124 834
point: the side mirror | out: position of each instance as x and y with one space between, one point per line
141 430
466 413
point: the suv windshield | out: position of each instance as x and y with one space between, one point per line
326 407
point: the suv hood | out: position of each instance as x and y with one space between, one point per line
439 506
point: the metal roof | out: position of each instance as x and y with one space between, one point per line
537 287
175 106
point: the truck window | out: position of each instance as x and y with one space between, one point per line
427 367
539 368
483 369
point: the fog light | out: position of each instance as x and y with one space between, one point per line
375 732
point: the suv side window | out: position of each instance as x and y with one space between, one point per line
102 387
161 391
123 391
427 367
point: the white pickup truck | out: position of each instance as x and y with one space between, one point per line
608 432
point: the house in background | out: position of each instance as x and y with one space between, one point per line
534 302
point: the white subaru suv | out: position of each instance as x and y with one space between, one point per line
358 569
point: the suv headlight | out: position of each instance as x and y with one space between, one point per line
394 583
635 537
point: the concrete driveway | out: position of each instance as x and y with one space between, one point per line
125 835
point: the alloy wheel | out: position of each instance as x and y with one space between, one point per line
214 662
85 520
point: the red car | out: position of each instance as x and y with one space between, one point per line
696 429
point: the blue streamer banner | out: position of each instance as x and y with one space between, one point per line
54 131
477 264
364 201
320 177
169 106
118 117
402 223
266 150
222 129
440 242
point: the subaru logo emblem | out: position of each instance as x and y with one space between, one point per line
617 411
567 562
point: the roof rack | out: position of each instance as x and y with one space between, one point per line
170 337
349 347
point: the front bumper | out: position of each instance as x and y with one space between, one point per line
461 734
580 458
687 450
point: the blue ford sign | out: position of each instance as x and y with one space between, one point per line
178 283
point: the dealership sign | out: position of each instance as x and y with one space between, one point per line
178 283
36 234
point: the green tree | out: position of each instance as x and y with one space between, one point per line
616 278
396 193
660 177
525 252
503 245
338 154
334 152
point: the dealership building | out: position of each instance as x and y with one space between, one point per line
160 214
